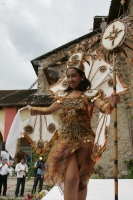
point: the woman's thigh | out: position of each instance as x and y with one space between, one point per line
72 173
85 164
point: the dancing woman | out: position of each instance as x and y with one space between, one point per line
70 159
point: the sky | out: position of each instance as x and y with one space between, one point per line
31 28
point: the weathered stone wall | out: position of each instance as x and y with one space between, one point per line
125 152
42 81
130 8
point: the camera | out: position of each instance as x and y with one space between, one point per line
40 164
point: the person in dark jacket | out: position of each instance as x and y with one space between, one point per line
39 167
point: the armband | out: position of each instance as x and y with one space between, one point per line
105 107
40 110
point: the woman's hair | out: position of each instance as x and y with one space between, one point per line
83 85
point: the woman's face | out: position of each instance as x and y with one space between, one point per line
73 78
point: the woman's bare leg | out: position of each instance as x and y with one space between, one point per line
86 166
82 194
71 180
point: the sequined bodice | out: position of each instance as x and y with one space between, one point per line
73 117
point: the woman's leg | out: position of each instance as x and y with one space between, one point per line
71 180
86 166
82 194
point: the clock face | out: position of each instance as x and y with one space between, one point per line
114 35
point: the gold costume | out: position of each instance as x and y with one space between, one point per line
105 107
40 111
74 135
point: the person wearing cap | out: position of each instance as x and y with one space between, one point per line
3 176
39 167
21 169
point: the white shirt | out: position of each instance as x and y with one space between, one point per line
4 169
19 167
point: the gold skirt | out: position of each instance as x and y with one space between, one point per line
60 156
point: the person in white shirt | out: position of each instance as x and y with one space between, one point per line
3 176
21 169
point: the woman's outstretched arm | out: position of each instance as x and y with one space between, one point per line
42 110
45 110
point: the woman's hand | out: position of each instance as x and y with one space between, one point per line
25 108
114 98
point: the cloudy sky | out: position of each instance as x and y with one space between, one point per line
31 28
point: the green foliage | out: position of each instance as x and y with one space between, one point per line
30 171
14 173
47 187
20 155
31 165
96 167
129 164
35 158
95 176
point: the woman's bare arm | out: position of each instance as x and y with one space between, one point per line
45 110
42 110
54 107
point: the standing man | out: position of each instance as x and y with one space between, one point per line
39 167
3 176
22 170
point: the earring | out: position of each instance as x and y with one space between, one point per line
82 79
